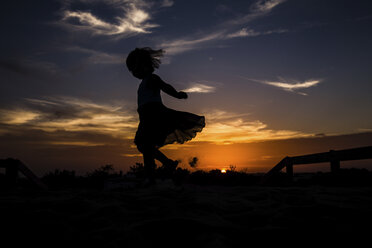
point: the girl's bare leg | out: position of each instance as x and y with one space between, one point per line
161 157
149 162
168 163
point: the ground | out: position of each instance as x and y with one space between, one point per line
183 216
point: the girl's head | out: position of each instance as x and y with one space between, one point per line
143 61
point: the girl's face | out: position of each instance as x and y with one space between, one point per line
141 70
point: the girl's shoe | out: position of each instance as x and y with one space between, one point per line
167 169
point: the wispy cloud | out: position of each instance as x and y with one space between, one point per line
290 84
17 116
181 45
79 122
218 115
133 18
30 67
98 57
265 5
258 9
245 32
167 3
200 88
71 115
293 86
131 155
134 22
197 41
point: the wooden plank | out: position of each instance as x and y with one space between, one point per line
14 165
276 169
340 155
311 159
31 176
11 173
4 162
334 157
353 154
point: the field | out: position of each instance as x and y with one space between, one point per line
187 214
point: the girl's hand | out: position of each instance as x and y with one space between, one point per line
181 95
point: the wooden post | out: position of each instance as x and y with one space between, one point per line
335 163
289 169
335 166
11 173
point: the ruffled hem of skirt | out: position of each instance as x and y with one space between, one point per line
182 135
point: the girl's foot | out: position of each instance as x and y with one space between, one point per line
167 169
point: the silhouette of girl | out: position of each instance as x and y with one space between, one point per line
158 125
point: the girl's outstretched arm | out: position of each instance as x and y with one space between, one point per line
167 88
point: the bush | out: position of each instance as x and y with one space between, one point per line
60 179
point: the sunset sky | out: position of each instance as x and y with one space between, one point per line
273 78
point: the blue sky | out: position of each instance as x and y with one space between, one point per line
258 70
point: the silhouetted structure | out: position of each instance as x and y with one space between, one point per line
12 166
334 157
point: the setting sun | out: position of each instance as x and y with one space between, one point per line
223 171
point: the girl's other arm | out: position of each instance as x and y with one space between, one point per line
167 88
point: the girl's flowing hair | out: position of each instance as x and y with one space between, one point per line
144 56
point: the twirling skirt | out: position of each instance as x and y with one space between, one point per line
160 125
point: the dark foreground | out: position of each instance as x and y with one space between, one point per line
185 216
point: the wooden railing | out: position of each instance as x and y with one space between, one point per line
13 166
333 157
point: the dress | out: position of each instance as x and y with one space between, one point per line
160 125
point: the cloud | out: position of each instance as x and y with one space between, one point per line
218 115
258 9
70 115
262 6
245 32
290 84
197 41
76 143
98 57
71 121
224 127
30 67
293 85
200 88
17 116
132 18
132 155
132 24
167 3
177 46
